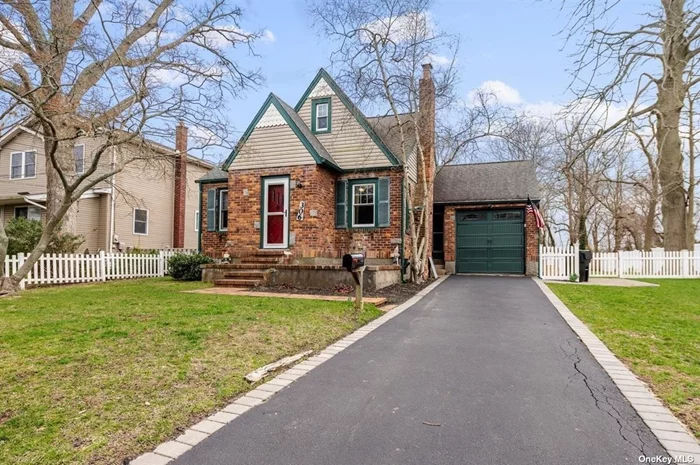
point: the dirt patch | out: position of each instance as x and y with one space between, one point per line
395 294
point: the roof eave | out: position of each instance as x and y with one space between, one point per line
478 202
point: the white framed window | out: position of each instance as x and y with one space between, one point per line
223 210
140 222
363 205
23 165
79 157
196 221
321 115
30 213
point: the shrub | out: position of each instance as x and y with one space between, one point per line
185 267
23 235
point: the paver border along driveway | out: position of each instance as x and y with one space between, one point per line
482 370
673 436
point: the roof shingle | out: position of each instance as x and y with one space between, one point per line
485 182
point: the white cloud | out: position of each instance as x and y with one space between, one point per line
268 36
400 28
225 35
504 93
439 60
203 137
169 77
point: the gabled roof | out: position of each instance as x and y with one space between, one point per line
359 116
18 128
214 175
387 129
292 118
487 182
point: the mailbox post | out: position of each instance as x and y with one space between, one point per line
355 264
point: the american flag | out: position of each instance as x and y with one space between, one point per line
531 208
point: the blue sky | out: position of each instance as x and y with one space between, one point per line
515 42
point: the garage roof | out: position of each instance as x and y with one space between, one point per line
487 182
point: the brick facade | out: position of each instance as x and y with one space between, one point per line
531 236
316 235
213 243
375 242
180 186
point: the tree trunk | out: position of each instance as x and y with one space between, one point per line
650 220
60 147
669 104
690 212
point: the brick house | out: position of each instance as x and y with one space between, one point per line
307 184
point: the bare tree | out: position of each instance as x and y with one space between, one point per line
382 45
651 63
119 71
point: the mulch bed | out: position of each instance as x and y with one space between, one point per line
395 294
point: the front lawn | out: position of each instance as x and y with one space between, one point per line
100 373
654 330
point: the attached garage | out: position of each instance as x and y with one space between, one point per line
490 241
480 218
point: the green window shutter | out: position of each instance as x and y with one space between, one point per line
341 204
383 204
211 210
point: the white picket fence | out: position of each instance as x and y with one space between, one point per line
80 268
560 263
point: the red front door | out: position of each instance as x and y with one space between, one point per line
276 219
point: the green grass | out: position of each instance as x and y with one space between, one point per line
99 373
654 330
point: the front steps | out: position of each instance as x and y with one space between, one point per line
440 266
252 270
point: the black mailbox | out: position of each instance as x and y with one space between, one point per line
584 263
353 261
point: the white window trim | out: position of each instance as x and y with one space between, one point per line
374 206
133 223
327 105
83 170
23 165
221 210
196 221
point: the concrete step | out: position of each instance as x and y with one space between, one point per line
237 282
252 274
260 260
441 271
270 253
249 266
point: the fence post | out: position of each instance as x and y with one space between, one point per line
161 263
539 258
103 266
619 264
20 262
685 262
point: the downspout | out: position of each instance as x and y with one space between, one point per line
112 207
403 229
199 226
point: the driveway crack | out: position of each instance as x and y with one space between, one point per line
602 401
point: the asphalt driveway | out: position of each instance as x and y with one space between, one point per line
483 370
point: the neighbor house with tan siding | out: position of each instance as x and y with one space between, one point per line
144 206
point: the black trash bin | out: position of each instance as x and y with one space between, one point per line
584 262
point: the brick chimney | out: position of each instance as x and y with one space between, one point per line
180 193
426 128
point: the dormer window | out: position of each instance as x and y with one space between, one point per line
321 115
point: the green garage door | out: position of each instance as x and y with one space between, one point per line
490 241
